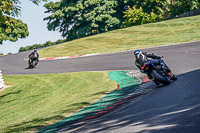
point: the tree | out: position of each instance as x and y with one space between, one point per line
137 17
37 46
11 28
78 18
177 7
181 6
155 6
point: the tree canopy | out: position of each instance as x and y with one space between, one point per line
182 6
11 28
78 18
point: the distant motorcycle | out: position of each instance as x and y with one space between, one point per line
160 73
33 59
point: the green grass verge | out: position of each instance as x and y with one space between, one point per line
34 101
148 35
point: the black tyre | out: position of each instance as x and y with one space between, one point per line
31 63
34 63
174 77
159 78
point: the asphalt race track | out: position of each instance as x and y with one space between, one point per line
180 58
171 109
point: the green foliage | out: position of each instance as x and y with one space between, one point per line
77 18
137 16
10 28
37 46
155 6
181 6
148 11
80 18
134 17
171 8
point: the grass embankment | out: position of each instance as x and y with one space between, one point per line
148 35
37 100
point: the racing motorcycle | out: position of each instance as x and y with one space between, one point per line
159 72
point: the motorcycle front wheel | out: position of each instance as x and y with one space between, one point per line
160 78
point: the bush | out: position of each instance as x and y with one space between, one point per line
136 16
37 46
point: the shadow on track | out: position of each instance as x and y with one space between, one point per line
173 108
29 67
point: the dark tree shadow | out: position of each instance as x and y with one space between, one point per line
175 111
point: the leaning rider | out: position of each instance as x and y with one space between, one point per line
142 61
34 56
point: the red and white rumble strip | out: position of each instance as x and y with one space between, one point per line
75 56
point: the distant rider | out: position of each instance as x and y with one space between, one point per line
34 56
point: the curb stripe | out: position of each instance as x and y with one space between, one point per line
145 79
105 109
74 56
